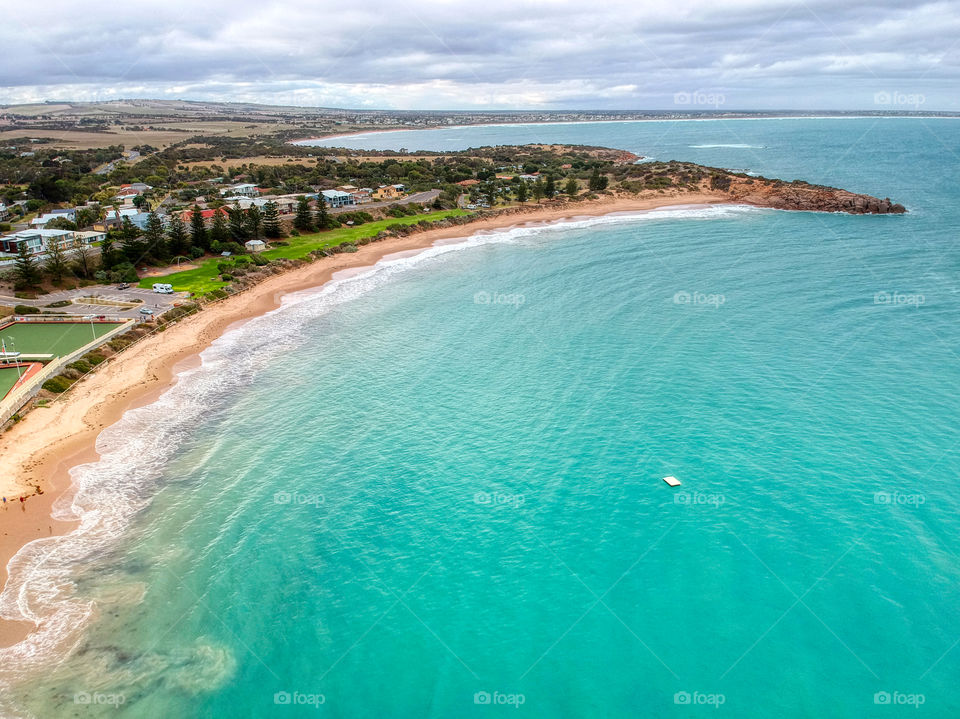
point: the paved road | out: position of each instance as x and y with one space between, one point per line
155 301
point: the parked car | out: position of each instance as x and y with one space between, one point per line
146 311
123 286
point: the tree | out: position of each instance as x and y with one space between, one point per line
84 261
323 217
239 231
254 221
56 263
523 192
140 202
154 238
598 182
134 246
489 192
61 223
25 269
271 220
572 188
303 220
198 229
218 230
550 188
86 216
178 239
538 190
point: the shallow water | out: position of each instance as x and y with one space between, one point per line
437 484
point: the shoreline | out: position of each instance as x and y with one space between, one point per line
353 133
139 375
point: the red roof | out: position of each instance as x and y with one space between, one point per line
187 215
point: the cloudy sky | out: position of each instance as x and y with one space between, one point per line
490 54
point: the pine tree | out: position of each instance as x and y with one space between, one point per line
303 220
572 188
598 182
56 262
323 217
254 222
25 269
198 229
178 239
523 192
218 230
550 188
154 237
134 246
238 225
271 220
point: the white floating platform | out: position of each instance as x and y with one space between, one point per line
672 481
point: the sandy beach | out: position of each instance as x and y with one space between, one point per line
39 451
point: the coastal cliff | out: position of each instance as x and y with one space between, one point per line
803 196
640 178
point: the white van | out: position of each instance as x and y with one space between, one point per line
162 288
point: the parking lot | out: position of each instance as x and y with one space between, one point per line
147 298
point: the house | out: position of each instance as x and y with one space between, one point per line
42 220
386 192
114 218
362 195
36 240
349 189
530 178
207 215
4 212
336 198
89 237
255 245
244 189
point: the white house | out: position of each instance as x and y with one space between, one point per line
4 212
246 189
36 240
255 245
337 198
41 220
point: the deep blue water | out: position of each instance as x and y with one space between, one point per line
440 483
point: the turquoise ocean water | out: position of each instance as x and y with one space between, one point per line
434 489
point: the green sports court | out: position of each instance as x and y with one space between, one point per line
52 338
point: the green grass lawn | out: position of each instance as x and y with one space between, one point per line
8 378
204 278
58 338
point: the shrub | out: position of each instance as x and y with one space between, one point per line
348 247
260 260
94 358
196 252
60 303
26 310
57 384
81 366
226 277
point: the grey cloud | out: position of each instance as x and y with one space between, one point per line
814 54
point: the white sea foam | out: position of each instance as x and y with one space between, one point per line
738 146
106 495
